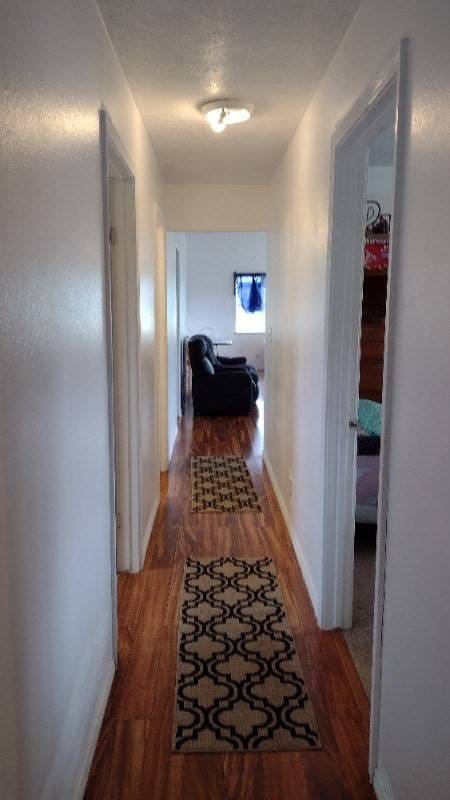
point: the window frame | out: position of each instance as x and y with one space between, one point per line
248 275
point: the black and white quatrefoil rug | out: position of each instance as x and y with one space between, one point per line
240 685
222 483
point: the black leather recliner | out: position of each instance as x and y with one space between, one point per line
220 363
217 392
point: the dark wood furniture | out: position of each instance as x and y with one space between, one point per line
372 335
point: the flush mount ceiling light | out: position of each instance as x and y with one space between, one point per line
221 113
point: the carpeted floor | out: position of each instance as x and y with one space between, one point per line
240 685
222 483
359 637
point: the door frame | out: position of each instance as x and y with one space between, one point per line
162 393
125 554
384 96
178 307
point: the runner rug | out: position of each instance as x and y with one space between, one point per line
240 685
222 483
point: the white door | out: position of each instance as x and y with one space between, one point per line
381 105
178 312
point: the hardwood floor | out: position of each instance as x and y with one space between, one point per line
133 759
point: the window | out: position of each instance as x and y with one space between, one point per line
250 302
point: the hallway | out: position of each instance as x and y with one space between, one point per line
133 758
155 155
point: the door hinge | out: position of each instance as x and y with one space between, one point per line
112 235
118 519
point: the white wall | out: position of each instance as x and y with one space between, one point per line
211 261
57 70
216 207
379 187
415 702
175 242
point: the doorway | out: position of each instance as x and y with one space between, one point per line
162 355
123 335
179 348
375 117
379 179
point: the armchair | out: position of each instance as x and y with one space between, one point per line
221 363
227 391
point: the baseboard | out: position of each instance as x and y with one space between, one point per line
96 725
381 786
301 558
76 738
171 444
277 490
149 528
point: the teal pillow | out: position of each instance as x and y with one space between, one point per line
369 417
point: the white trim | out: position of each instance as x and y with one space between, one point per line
103 125
277 490
343 320
179 338
149 528
68 770
384 95
300 555
388 383
161 340
381 785
115 157
96 725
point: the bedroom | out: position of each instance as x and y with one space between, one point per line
376 240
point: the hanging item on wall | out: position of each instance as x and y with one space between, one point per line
250 290
378 226
376 253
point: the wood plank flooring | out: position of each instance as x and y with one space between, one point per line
133 760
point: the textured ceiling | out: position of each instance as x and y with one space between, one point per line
179 53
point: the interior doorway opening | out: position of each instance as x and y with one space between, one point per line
123 336
375 269
225 305
179 348
163 318
375 118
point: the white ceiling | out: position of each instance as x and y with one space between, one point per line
180 53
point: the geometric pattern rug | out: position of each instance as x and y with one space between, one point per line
222 483
240 686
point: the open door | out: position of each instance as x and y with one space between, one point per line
123 336
375 116
162 393
375 238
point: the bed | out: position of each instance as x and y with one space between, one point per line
368 461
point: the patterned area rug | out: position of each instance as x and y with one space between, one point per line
222 483
239 684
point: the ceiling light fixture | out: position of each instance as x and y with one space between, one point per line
221 113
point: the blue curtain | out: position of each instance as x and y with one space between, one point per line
250 289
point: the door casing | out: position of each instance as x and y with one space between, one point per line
122 325
162 390
383 100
